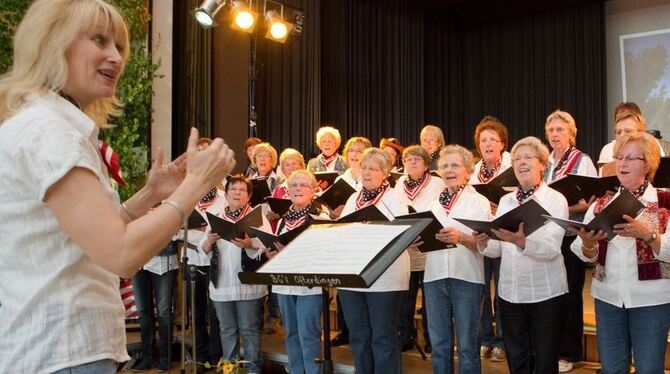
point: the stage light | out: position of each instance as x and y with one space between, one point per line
243 18
278 29
206 12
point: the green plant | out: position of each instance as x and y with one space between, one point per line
129 134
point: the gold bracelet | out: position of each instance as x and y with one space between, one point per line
125 209
585 248
176 205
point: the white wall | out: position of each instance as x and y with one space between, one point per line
625 17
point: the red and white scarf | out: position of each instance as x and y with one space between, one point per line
414 187
485 174
234 216
567 162
296 218
522 195
371 197
111 161
207 200
327 161
447 199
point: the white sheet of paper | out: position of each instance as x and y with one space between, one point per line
342 249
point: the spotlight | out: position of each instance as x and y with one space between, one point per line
243 18
278 29
206 12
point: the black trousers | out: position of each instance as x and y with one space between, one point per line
532 333
571 347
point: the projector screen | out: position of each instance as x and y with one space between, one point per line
645 75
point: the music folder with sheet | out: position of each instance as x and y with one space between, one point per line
662 176
576 187
326 176
530 213
196 221
355 255
269 239
624 203
337 194
505 179
279 206
261 190
228 230
428 234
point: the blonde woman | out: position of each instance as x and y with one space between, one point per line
63 227
432 140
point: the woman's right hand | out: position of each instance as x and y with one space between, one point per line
212 237
481 238
208 167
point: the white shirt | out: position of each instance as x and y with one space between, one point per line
421 203
621 286
229 287
296 290
196 237
349 177
396 277
536 273
460 262
57 307
505 163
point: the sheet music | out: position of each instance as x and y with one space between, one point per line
341 249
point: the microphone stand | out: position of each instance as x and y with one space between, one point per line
326 361
188 279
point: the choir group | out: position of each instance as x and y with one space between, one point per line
538 277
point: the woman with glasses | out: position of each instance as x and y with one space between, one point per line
418 189
565 158
532 274
491 141
372 313
454 277
432 140
631 281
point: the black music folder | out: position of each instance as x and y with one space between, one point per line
625 203
196 221
337 194
326 176
492 192
269 239
428 234
576 187
261 190
662 177
279 206
505 179
357 260
393 178
530 213
369 213
228 230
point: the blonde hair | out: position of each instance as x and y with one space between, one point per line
650 150
640 122
468 158
304 172
335 133
565 117
290 152
380 157
356 139
41 40
267 147
541 150
434 130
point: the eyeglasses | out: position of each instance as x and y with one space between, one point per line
629 158
490 140
452 166
525 158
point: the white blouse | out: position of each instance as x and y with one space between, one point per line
460 262
421 203
396 277
349 177
621 286
58 308
229 287
535 273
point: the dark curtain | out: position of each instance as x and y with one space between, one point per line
288 84
519 69
372 68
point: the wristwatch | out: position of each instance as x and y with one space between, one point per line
652 238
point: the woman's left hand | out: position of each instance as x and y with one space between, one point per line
164 179
243 242
517 238
449 235
632 229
